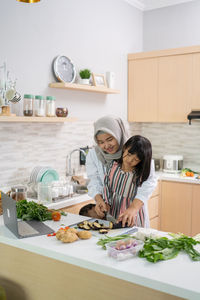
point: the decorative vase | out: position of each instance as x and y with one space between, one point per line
85 81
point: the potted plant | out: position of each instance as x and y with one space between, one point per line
85 76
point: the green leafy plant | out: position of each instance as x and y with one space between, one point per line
164 248
85 74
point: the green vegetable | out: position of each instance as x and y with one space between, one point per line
103 241
32 211
63 213
164 248
185 170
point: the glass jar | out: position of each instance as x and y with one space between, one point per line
44 192
18 192
28 105
40 106
50 106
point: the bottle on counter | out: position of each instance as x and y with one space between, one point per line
28 105
40 106
50 106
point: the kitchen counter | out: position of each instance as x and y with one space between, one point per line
103 277
176 177
68 201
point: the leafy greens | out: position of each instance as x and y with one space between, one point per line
32 211
163 248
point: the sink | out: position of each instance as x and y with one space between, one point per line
68 201
79 188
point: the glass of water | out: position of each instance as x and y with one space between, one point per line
44 192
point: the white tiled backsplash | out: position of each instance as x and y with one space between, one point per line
26 145
173 138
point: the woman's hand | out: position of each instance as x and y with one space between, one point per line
128 217
101 206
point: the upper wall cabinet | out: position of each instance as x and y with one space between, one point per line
142 90
163 86
195 102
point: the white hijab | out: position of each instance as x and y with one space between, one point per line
114 126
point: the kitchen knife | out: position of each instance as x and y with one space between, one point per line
110 218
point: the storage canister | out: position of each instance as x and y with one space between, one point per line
50 106
40 106
28 105
19 192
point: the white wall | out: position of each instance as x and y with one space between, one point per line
172 26
95 34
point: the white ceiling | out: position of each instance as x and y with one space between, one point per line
153 4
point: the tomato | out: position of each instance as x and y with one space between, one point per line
56 215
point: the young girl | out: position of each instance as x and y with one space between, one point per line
122 179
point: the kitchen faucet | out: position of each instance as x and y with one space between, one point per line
69 171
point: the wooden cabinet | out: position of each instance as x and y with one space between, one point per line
174 87
180 207
163 86
195 210
74 209
176 207
142 90
195 103
153 207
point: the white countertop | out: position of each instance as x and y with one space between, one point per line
68 201
176 177
179 276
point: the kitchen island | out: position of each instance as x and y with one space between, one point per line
48 269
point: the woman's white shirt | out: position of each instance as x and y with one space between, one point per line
96 171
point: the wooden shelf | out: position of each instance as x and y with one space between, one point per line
82 87
36 119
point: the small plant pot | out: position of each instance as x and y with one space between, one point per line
84 81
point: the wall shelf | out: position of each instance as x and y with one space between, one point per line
82 87
36 119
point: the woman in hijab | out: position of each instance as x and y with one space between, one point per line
110 135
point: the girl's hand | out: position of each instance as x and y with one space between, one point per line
100 207
128 217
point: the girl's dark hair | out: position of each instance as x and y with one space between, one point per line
140 146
